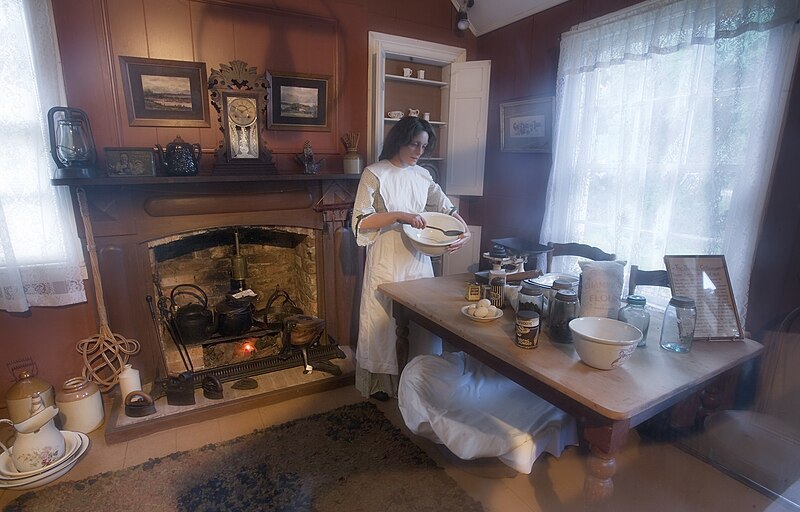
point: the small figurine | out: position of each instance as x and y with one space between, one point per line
306 159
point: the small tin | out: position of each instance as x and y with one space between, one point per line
527 329
473 292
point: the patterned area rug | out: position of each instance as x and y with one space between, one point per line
348 459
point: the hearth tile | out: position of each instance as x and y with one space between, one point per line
240 424
152 446
100 457
197 435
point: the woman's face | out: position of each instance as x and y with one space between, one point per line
409 154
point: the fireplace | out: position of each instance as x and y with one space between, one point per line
153 233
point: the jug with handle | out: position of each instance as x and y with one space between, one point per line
39 443
180 158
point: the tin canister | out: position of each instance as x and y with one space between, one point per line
497 282
527 329
473 292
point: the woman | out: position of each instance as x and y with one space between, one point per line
392 192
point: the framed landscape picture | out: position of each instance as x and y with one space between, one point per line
299 102
527 126
165 92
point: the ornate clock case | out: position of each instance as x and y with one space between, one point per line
239 94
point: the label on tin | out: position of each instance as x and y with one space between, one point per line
527 330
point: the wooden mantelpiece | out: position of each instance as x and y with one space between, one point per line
129 212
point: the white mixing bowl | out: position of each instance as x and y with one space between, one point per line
431 241
604 343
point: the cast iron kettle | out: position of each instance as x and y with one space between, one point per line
180 159
234 317
194 321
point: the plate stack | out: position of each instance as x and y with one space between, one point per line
76 444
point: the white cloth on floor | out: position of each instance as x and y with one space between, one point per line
475 412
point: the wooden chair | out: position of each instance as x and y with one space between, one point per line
575 249
646 278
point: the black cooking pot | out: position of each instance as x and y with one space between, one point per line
194 321
234 317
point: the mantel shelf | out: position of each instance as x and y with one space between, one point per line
105 181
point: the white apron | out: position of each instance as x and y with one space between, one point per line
391 258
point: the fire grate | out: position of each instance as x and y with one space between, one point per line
274 363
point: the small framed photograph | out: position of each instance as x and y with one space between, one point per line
165 92
527 126
130 162
299 102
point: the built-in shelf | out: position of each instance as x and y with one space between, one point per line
433 158
418 81
393 120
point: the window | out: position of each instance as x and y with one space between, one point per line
668 116
41 261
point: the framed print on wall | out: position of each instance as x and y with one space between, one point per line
299 102
165 92
527 126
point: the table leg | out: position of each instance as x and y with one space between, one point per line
401 330
605 442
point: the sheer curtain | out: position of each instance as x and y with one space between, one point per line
668 117
41 261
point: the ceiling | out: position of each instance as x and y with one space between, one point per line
488 15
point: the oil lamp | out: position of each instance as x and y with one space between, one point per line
71 142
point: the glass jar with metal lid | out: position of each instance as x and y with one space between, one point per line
531 299
634 313
564 309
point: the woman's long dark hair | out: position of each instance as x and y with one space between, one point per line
403 133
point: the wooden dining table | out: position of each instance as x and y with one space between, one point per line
606 403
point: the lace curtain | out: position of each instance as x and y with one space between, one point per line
668 117
41 261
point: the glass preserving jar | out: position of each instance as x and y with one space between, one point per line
531 299
634 313
677 331
563 309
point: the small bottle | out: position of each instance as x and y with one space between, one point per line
531 299
677 331
129 381
563 310
634 313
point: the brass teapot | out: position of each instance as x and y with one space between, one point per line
180 159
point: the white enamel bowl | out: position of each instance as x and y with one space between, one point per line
497 314
430 241
604 343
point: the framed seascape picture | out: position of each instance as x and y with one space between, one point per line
165 92
299 102
527 126
130 162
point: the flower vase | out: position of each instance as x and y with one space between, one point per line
352 162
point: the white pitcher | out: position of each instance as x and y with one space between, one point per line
39 443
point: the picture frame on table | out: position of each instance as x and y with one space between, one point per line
122 162
162 92
299 102
705 279
526 126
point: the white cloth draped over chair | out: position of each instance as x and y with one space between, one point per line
475 412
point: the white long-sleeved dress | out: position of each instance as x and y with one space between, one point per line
390 258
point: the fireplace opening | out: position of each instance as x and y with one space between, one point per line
273 258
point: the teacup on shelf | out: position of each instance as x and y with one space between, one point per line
395 114
413 112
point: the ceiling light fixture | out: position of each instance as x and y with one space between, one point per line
462 19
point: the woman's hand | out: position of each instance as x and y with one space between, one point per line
458 244
415 220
